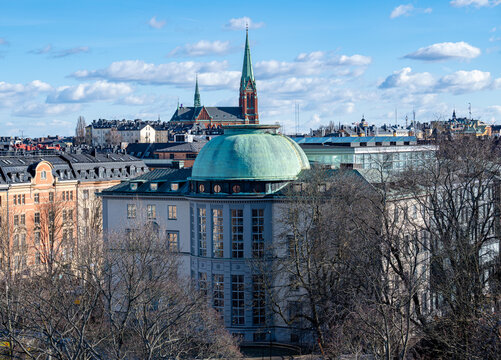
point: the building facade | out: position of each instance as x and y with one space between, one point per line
50 200
219 216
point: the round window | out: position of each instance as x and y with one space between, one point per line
217 188
236 188
201 188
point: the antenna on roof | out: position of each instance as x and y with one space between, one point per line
406 121
413 117
469 109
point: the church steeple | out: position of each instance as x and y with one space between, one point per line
196 102
247 73
248 92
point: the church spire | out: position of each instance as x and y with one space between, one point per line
247 73
196 102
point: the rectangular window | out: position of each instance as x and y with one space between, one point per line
202 232
258 300
65 218
22 219
131 211
173 241
172 212
16 220
237 233
85 194
71 195
23 199
51 197
218 292
37 198
202 283
151 212
217 232
257 233
237 300
70 215
37 218
37 238
15 200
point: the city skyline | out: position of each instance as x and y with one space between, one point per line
338 61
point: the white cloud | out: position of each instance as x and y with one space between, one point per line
458 82
136 100
45 50
241 23
405 78
356 60
99 90
445 51
48 49
476 3
406 10
11 94
401 10
202 48
497 83
156 24
465 81
42 110
211 73
314 63
72 51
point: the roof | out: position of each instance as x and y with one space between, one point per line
162 177
352 140
217 113
193 147
250 152
82 167
247 73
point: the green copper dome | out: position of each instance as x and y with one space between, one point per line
250 152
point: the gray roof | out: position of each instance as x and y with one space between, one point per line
217 113
162 177
82 167
193 147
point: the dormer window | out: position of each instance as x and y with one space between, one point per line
154 186
133 186
174 187
43 175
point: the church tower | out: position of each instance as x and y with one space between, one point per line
248 92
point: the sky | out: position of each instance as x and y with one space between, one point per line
338 60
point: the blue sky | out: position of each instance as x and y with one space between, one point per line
336 59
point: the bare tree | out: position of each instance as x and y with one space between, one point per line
458 193
80 131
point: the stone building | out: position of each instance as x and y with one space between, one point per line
220 216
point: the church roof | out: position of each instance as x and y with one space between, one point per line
217 113
247 73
